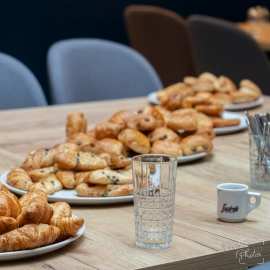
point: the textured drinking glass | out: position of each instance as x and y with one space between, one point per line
259 153
154 178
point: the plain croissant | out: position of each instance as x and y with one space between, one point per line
28 237
35 208
8 224
9 205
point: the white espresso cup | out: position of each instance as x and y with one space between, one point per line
233 202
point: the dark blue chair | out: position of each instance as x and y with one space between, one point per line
93 69
222 48
19 88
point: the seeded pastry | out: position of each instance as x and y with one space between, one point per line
19 178
110 190
80 161
108 176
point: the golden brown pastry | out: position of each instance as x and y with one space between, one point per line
121 117
19 178
35 208
107 130
219 122
51 178
182 122
42 185
214 109
68 226
190 80
201 130
76 123
169 90
163 134
191 101
152 110
28 237
61 210
38 174
115 161
205 86
250 87
165 113
81 161
108 176
81 139
142 122
135 140
8 224
3 188
224 84
203 120
166 147
195 144
207 77
110 190
80 177
9 205
67 178
239 97
106 145
221 98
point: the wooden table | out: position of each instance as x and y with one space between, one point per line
200 240
259 31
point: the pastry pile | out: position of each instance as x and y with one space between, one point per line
31 222
207 89
96 163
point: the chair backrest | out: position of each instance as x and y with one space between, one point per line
19 88
94 69
221 48
161 36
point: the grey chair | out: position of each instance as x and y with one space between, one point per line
221 48
161 36
19 88
94 69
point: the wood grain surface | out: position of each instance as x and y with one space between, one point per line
200 240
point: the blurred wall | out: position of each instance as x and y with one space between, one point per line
28 28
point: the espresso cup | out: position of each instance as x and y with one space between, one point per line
233 202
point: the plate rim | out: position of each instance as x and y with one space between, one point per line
231 107
232 129
71 200
23 254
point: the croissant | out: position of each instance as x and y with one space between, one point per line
8 224
28 237
19 178
68 226
35 208
121 117
80 161
9 205
61 209
3 188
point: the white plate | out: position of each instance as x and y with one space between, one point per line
15 255
231 115
152 97
70 196
185 159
